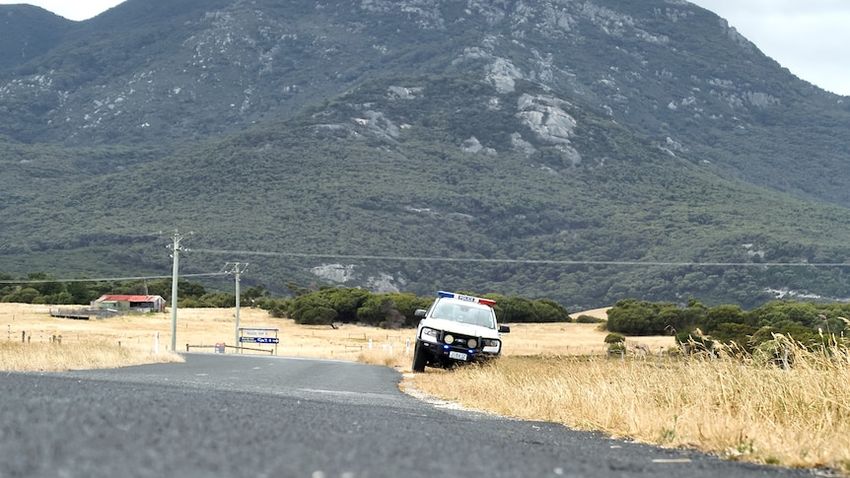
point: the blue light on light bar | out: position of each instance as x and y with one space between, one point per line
467 298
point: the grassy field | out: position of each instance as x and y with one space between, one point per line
137 334
737 409
84 355
555 372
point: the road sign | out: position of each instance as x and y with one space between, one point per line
258 335
260 340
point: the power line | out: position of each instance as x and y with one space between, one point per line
106 279
305 255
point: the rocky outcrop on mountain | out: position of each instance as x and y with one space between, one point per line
664 68
377 122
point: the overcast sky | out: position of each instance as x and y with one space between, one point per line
809 37
71 9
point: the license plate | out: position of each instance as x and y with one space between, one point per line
458 356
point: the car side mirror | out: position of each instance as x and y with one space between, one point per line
420 313
504 329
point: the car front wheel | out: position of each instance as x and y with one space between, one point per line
418 358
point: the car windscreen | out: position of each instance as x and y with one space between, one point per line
463 313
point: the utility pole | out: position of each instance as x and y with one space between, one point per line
236 269
175 254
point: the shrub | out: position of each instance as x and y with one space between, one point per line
277 308
512 309
616 344
26 295
780 351
640 317
694 341
614 338
376 309
588 319
318 316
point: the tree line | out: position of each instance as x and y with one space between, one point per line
396 309
40 288
325 306
809 323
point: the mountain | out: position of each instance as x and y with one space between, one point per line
27 32
597 130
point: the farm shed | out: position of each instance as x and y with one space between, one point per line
131 303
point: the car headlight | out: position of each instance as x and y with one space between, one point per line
491 343
449 339
472 343
429 335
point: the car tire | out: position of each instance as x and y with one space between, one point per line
419 358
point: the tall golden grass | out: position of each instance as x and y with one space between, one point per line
740 407
131 339
349 342
55 357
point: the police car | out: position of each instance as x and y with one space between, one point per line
456 329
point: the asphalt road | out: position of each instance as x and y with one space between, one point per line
232 416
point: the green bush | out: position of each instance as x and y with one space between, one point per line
616 344
512 309
635 317
395 310
588 319
318 316
278 308
27 295
615 338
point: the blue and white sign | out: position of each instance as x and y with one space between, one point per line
260 340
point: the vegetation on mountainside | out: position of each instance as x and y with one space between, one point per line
340 162
301 187
28 32
676 75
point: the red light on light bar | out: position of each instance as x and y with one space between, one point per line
487 302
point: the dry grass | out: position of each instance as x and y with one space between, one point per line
211 326
398 359
137 334
569 339
18 357
739 409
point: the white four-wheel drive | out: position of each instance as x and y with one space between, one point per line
457 329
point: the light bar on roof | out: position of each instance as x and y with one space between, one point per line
468 298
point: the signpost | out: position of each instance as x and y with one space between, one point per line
261 336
